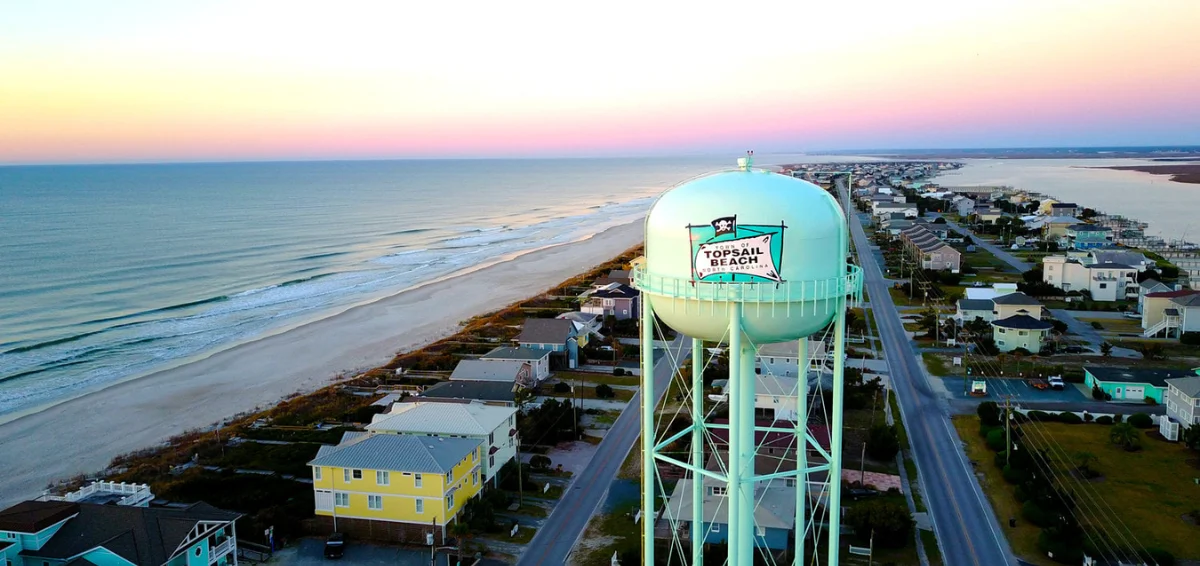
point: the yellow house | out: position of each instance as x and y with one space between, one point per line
395 487
1016 303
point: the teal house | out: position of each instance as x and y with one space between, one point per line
65 533
1089 236
1125 384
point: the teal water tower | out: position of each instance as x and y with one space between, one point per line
744 258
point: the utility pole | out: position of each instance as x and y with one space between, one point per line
520 474
862 466
1007 429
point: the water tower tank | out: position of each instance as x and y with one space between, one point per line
772 243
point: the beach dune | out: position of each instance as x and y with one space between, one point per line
84 434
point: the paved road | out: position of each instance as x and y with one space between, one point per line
1004 256
966 526
1085 331
553 543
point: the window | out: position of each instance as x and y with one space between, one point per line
346 475
762 531
491 460
198 551
375 502
1000 330
716 528
450 501
341 499
1000 342
1023 333
474 455
417 480
791 483
317 473
358 474
718 490
475 478
1104 285
449 477
420 505
492 438
382 477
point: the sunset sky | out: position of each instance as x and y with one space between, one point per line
122 81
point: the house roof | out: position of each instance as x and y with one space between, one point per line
1022 322
1110 266
1171 312
1088 228
481 390
1017 298
819 432
33 516
776 385
1190 386
510 353
615 291
423 417
546 331
1151 284
1063 220
1192 300
790 349
1155 377
1064 205
1172 294
1118 256
580 317
775 507
614 276
975 304
141 535
397 452
485 370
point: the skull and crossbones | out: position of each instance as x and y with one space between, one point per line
724 225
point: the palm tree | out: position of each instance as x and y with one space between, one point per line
461 532
1084 461
1125 435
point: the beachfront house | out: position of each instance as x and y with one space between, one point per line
518 373
1130 384
395 487
82 533
617 300
1103 281
1088 236
1183 406
1169 314
492 425
491 392
1020 331
560 337
539 360
620 276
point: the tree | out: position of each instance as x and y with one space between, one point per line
604 391
1190 437
540 462
888 520
562 387
1152 351
1033 275
1140 420
1125 436
461 532
1083 463
882 442
1106 349
928 322
989 413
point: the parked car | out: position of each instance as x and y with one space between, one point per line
1056 382
335 546
1131 314
1073 350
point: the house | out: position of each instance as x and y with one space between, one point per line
512 373
965 206
493 392
1123 257
1011 304
1103 281
1064 209
896 223
395 487
586 325
1127 384
1149 286
620 276
989 293
987 214
1055 227
1088 236
775 397
1183 406
971 309
540 359
80 533
1171 313
885 209
1020 331
929 250
782 359
780 442
492 425
553 335
617 300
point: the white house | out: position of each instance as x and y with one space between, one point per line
883 209
783 359
538 359
1183 406
970 309
775 397
1104 281
493 425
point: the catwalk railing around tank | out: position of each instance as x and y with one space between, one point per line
781 294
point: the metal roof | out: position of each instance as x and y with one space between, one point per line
1190 386
426 417
1155 377
397 452
509 353
488 370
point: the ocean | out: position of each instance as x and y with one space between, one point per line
108 272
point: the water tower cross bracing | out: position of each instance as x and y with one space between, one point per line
743 259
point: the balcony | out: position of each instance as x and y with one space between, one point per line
224 548
104 492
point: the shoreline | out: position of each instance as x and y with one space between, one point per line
144 411
1183 173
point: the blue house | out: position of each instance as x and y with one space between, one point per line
62 533
553 335
1088 236
1128 384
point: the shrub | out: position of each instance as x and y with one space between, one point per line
882 442
618 372
1118 418
1105 420
1022 352
605 391
995 439
888 519
562 387
1190 339
1069 418
539 462
1042 416
1151 401
1015 475
989 413
985 429
1033 513
1141 420
1097 325
1097 393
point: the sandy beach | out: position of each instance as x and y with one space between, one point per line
84 434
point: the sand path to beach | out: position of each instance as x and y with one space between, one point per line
84 434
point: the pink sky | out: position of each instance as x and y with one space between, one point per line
140 81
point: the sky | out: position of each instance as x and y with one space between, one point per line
127 81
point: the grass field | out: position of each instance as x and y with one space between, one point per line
935 364
1126 325
596 378
1149 491
589 392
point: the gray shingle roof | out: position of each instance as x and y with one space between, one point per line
1190 386
1022 322
508 353
1155 377
485 370
1110 266
1187 301
545 331
1017 298
397 452
482 390
975 304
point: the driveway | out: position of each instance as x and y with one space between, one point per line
1086 332
1004 256
311 552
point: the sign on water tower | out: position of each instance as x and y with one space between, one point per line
723 250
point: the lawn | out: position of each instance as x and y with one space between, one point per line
1152 488
589 392
935 364
596 378
1125 325
1172 349
982 259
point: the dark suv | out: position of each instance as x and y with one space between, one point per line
335 546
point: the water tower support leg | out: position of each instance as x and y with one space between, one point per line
835 432
648 433
733 490
801 451
746 457
699 531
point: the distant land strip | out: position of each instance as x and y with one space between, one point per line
1179 173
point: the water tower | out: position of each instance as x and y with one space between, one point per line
743 258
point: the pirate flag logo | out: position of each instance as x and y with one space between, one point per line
723 250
